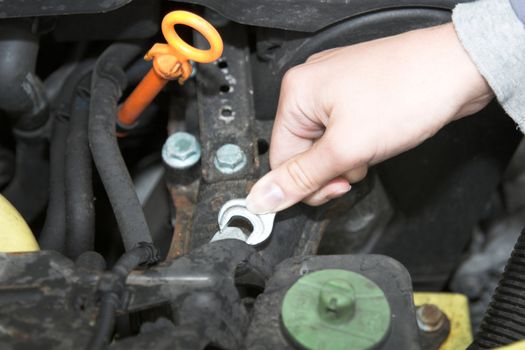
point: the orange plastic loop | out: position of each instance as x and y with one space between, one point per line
184 49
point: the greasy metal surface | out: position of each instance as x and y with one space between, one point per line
262 224
225 116
225 105
184 198
44 300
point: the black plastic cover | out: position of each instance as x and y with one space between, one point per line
34 8
308 15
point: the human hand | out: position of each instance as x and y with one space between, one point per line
347 108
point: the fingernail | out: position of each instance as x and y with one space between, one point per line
341 191
264 199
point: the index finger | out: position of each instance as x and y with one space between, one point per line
293 131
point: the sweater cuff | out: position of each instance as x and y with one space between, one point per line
519 9
494 38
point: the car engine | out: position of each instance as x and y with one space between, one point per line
122 220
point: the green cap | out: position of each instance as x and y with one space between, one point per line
335 309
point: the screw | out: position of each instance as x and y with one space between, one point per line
336 301
181 150
430 318
229 159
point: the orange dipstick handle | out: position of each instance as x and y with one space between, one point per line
170 61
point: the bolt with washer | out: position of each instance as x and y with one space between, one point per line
430 318
229 159
181 150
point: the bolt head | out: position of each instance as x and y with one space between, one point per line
181 150
229 159
430 318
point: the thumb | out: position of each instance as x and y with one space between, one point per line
295 179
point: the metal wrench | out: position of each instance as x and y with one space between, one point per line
236 208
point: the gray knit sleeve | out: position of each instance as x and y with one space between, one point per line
519 8
494 37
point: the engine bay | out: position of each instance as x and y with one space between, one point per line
114 177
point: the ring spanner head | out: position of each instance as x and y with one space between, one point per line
262 223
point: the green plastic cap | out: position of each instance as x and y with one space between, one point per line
336 310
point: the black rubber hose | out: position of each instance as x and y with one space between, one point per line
113 288
22 94
504 321
53 235
28 189
6 166
80 210
22 98
107 82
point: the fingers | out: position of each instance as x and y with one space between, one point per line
321 55
295 127
356 174
295 179
335 188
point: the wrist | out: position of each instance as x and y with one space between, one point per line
472 90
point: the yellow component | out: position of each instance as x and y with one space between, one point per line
520 345
15 235
455 306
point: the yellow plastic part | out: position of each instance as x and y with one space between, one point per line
455 306
15 235
170 61
516 346
199 24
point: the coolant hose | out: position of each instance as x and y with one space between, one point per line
107 82
23 99
15 235
22 94
504 320
53 235
80 209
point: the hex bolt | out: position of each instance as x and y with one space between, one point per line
181 150
336 301
430 318
229 159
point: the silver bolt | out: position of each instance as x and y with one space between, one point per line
181 150
430 318
229 159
